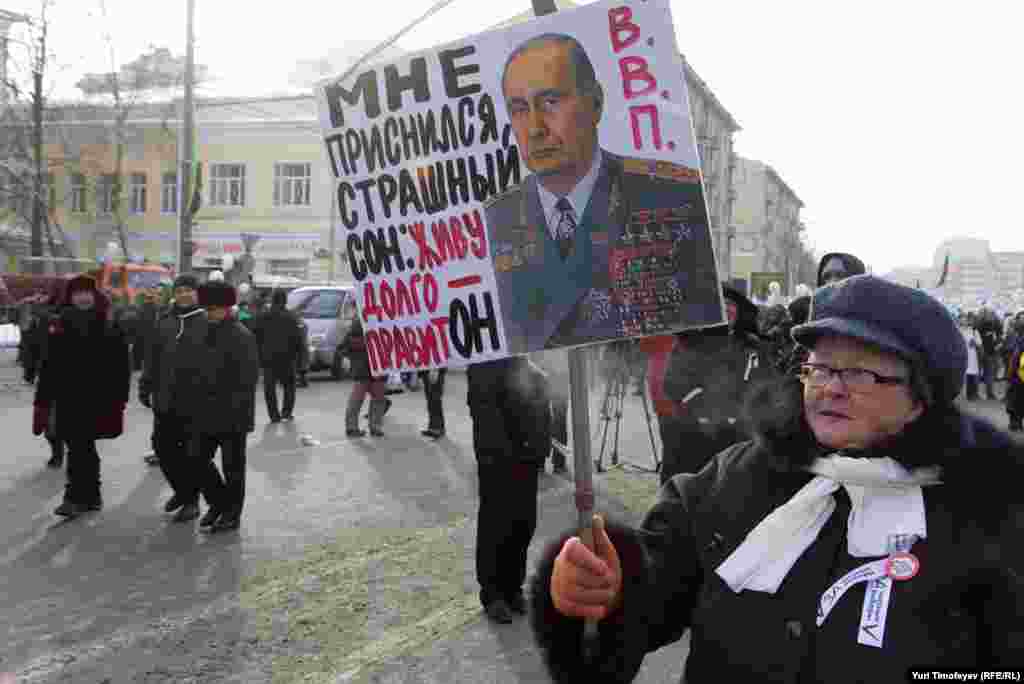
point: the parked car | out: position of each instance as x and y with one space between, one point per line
327 311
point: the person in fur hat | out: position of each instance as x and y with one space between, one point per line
168 386
228 365
86 378
868 529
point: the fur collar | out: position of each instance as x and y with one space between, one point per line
979 460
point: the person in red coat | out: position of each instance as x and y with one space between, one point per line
86 378
658 349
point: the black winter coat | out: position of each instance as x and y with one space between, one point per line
169 373
149 314
279 338
962 610
353 346
85 374
228 367
509 401
724 366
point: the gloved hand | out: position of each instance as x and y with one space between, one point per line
584 583
146 399
40 418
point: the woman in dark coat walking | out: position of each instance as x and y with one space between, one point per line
354 347
870 528
86 379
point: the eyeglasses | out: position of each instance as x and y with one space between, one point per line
854 379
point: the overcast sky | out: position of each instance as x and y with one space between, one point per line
898 123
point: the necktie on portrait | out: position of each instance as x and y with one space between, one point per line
566 227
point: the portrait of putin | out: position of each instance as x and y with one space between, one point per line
551 235
554 103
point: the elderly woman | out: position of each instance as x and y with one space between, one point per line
870 527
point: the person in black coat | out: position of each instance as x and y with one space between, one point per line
509 404
228 368
836 266
86 379
279 339
799 309
709 374
36 344
870 528
169 386
991 331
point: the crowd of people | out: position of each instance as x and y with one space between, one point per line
199 350
803 445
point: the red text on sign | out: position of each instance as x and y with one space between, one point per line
453 238
620 21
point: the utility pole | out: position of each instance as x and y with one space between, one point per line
38 67
187 176
579 398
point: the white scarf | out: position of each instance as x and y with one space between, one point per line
885 497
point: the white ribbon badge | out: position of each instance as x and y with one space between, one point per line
865 573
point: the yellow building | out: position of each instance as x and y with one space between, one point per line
265 184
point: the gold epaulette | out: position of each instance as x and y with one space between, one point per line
660 169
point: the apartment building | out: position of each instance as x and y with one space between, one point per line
767 222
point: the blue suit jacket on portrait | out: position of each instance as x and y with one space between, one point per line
547 301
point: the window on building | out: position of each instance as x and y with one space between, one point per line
227 185
169 193
292 268
78 193
137 193
106 195
291 184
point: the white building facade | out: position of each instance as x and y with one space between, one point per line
714 128
767 223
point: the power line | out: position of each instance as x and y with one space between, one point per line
437 7
434 9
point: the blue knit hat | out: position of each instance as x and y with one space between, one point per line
899 319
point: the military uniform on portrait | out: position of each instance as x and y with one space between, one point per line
634 266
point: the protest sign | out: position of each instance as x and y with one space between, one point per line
533 187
